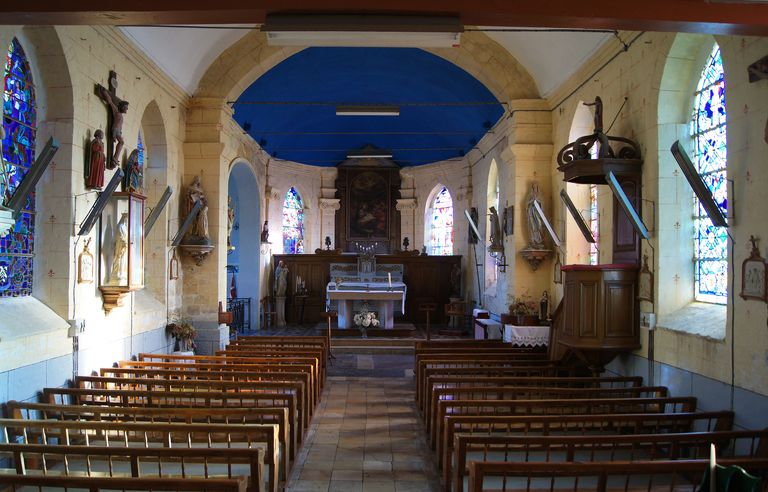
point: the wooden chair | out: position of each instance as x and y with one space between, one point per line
456 312
428 307
268 311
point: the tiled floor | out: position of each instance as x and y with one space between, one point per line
366 437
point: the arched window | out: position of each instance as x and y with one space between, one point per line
492 200
19 122
709 156
141 150
441 225
594 225
293 223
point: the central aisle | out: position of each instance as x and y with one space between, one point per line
366 437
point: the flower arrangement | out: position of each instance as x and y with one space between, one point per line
183 332
365 318
523 306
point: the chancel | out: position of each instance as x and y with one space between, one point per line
488 218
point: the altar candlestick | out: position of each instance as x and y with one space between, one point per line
389 276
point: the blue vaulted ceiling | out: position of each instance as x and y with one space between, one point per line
290 110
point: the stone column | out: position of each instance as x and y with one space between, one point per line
206 285
407 208
328 208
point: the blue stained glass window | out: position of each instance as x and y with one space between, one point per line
140 149
19 120
293 223
709 156
441 228
594 225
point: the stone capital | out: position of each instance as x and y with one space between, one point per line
329 205
406 204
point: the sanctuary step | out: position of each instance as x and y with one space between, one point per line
373 346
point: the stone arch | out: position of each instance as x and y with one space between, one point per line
154 137
678 79
428 206
577 250
486 60
243 187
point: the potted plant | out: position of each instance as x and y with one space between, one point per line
524 311
183 333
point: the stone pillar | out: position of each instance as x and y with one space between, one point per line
407 208
206 285
328 208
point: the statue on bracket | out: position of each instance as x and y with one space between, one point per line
97 160
117 108
199 230
230 223
535 226
119 266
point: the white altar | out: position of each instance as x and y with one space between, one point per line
380 297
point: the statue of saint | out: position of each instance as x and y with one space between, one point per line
535 225
265 232
281 279
119 271
97 159
134 175
497 244
196 194
230 222
544 306
117 108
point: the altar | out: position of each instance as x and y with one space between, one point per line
379 296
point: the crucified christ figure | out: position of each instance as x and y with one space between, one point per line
117 108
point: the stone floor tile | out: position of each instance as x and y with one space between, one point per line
348 465
355 475
412 486
345 486
318 465
378 475
385 486
316 474
308 486
370 465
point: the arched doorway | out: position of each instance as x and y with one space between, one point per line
243 257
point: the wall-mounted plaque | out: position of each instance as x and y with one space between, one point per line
753 275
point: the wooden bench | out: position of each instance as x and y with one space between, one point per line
318 354
570 406
614 447
295 388
207 415
264 373
103 446
535 393
287 341
485 368
220 359
640 423
452 380
224 368
658 476
189 399
96 483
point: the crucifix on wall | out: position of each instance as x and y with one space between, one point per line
117 107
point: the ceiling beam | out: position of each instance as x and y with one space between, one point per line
706 16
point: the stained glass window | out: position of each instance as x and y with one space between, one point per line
594 224
441 236
19 120
709 156
140 149
293 223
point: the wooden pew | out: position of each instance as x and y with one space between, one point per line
458 379
639 423
486 368
189 399
278 352
614 447
148 442
235 484
672 476
206 415
287 341
265 373
223 368
569 406
220 359
296 388
536 393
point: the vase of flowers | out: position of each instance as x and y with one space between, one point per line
365 319
183 334
524 311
